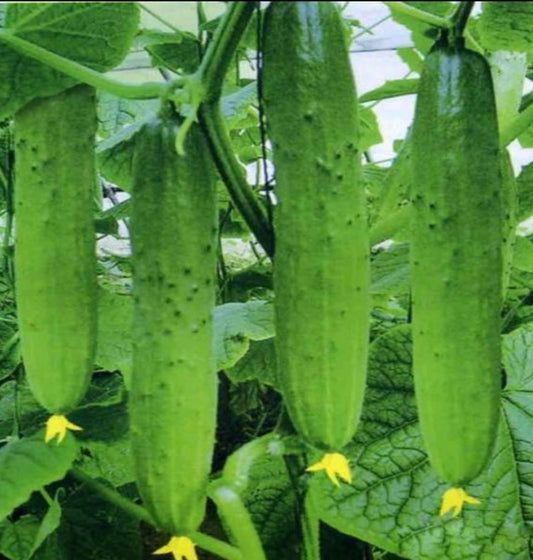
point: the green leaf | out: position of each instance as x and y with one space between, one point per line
412 58
18 538
115 316
392 88
258 363
368 128
506 26
395 498
114 113
9 350
178 51
524 188
236 107
29 464
523 254
390 270
29 412
114 155
96 34
105 438
94 529
423 35
235 324
119 211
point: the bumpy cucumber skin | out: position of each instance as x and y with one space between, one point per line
456 259
321 270
55 261
173 397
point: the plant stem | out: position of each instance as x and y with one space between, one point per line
426 17
147 90
460 17
232 173
211 74
237 518
215 546
222 47
310 524
112 496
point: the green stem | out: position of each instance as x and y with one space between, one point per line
222 47
147 90
460 17
236 516
112 496
211 74
407 10
310 524
232 173
215 546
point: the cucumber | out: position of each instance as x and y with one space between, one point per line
55 262
456 261
173 397
321 269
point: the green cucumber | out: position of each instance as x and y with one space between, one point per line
321 269
456 259
173 399
55 262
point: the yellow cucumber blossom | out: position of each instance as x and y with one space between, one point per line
455 498
334 464
57 425
181 548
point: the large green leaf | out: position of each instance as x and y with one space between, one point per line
96 34
29 464
236 324
395 497
18 537
506 26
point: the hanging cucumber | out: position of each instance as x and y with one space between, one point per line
55 263
173 398
456 258
321 271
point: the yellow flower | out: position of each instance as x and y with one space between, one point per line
334 464
455 498
57 425
181 548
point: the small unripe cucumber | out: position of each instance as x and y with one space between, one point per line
55 262
173 399
456 259
321 269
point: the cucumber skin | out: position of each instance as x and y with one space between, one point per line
173 399
321 269
456 259
55 260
